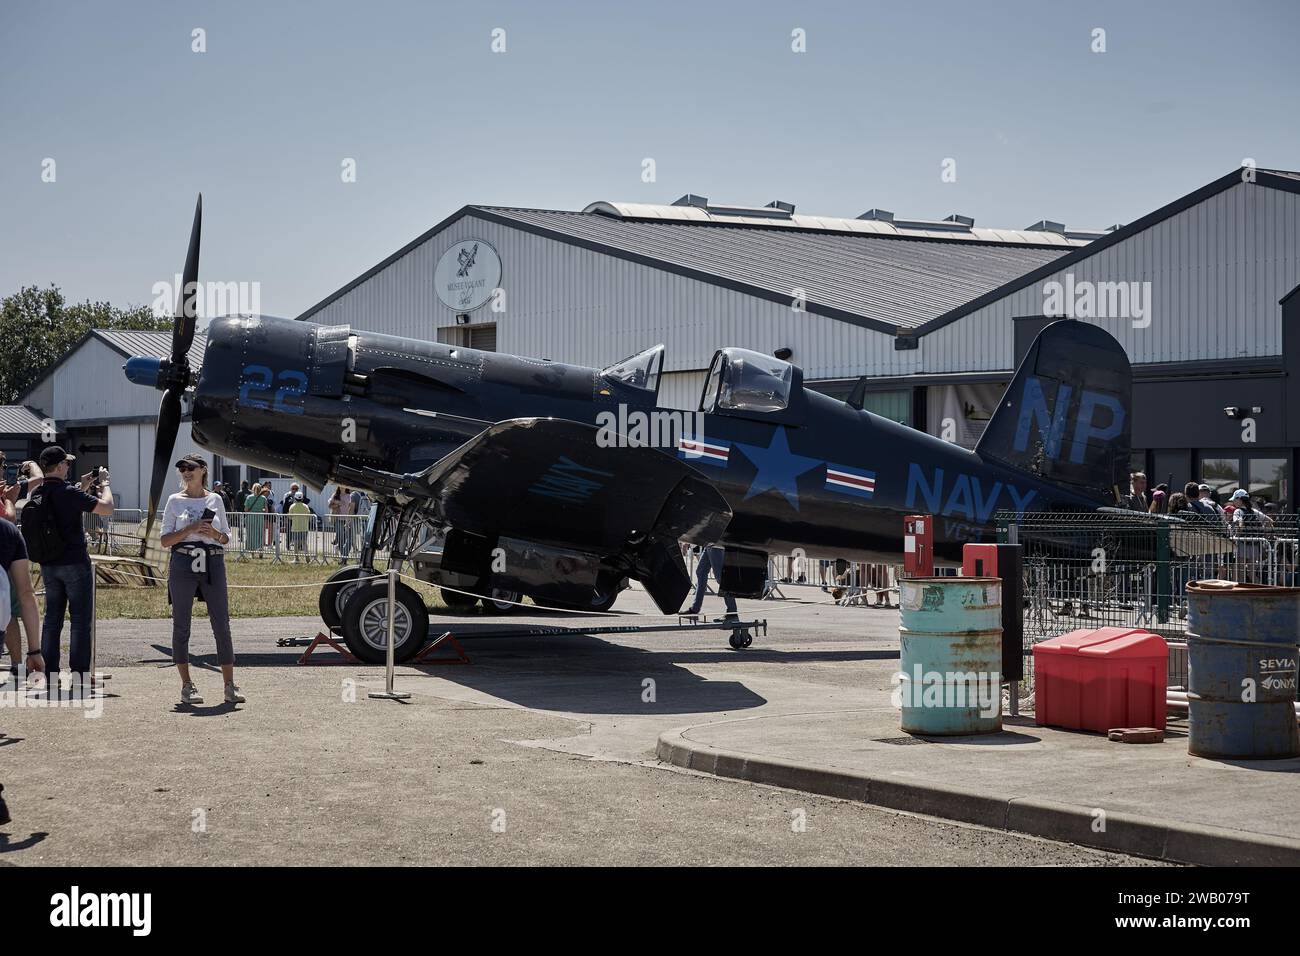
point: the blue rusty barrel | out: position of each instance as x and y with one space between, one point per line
950 679
1241 670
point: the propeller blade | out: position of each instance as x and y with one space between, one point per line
186 313
169 423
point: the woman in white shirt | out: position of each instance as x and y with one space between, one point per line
194 527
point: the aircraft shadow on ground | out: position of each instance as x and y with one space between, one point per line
582 673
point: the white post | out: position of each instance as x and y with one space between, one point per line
94 622
388 693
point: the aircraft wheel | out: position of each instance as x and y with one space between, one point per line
336 591
599 602
498 601
740 638
365 623
602 598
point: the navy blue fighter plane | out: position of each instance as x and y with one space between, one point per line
561 482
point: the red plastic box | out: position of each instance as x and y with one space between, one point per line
1101 678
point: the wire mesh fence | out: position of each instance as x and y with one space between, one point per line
288 538
1116 569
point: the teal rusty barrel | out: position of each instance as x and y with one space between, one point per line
950 675
1241 670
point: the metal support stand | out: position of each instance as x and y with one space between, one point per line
388 692
94 625
1013 687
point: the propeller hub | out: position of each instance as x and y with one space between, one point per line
147 370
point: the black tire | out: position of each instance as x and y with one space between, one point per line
495 607
456 601
602 598
365 618
336 591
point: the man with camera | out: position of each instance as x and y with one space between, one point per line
51 524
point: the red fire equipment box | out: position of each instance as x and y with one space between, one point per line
918 546
1100 679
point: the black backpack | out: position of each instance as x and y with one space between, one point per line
40 532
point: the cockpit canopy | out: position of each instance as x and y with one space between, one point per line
750 384
638 371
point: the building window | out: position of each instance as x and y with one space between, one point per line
482 337
960 413
894 405
1266 475
1269 479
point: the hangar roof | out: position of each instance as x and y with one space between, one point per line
128 343
150 344
20 420
897 282
878 276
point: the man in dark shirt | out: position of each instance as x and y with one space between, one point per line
68 579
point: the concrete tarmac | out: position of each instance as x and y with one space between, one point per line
543 751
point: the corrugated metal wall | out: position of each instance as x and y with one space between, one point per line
90 385
681 389
1216 270
574 305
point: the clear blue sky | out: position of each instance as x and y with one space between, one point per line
1040 126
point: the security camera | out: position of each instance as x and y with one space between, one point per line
1236 411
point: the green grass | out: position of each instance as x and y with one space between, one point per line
275 594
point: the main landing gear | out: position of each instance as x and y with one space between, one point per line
354 599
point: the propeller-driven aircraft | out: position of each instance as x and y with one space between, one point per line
561 482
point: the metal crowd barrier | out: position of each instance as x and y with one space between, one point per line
1116 570
852 584
282 538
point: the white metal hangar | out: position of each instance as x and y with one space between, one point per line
936 313
101 417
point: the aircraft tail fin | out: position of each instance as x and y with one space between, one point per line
1066 415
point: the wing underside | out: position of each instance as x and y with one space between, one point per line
552 482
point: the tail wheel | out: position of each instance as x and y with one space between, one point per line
498 601
336 591
365 623
456 601
603 597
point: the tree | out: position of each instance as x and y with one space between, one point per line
37 328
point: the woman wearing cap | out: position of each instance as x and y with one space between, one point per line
194 527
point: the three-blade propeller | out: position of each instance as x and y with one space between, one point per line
173 375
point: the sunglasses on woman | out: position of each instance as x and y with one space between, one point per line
186 467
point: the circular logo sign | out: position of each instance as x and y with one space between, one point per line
467 274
